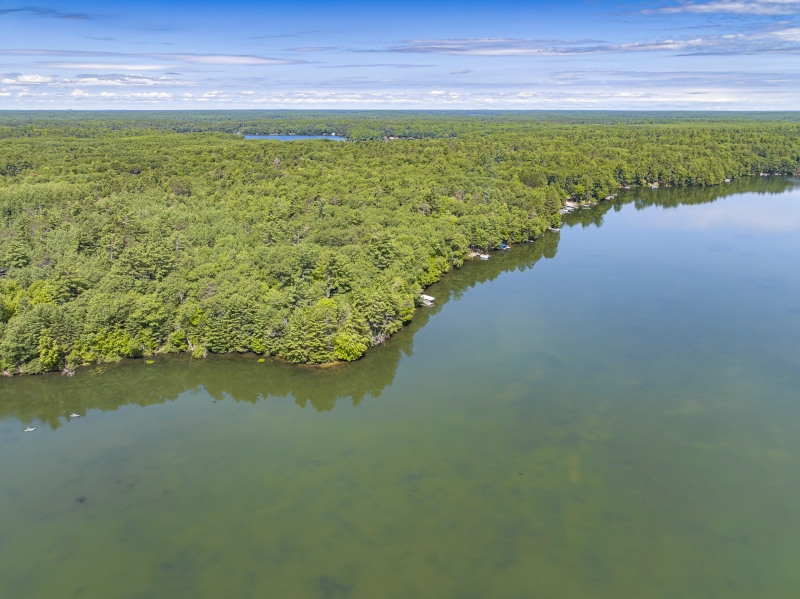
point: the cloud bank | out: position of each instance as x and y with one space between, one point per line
671 54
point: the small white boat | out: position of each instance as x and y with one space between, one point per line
29 430
427 300
484 256
555 229
73 415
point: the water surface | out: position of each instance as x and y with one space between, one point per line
611 411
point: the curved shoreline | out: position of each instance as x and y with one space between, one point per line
622 198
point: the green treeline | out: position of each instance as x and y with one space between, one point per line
130 240
353 124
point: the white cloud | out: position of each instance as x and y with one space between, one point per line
247 93
117 80
79 93
103 66
392 65
489 46
216 95
792 34
168 57
313 49
16 78
741 7
149 95
225 59
611 90
506 47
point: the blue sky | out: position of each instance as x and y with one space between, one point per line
685 54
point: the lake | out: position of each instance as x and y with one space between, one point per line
296 137
609 412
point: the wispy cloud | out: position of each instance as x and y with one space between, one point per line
739 7
493 46
791 34
392 65
783 41
100 66
687 80
312 49
41 52
94 79
284 35
123 79
140 96
224 59
114 39
206 59
45 12
461 72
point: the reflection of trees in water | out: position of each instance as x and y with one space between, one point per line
672 197
50 397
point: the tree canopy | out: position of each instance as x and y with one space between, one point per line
125 235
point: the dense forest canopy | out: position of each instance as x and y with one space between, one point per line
126 234
353 124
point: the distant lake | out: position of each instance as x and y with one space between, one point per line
296 137
611 412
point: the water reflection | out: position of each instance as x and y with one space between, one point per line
242 378
51 398
672 197
621 416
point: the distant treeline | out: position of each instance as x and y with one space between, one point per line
353 124
124 234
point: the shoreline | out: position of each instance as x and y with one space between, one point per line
570 205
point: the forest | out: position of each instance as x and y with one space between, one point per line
130 234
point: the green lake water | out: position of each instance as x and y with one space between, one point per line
612 411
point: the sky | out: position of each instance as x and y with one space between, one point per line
568 54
